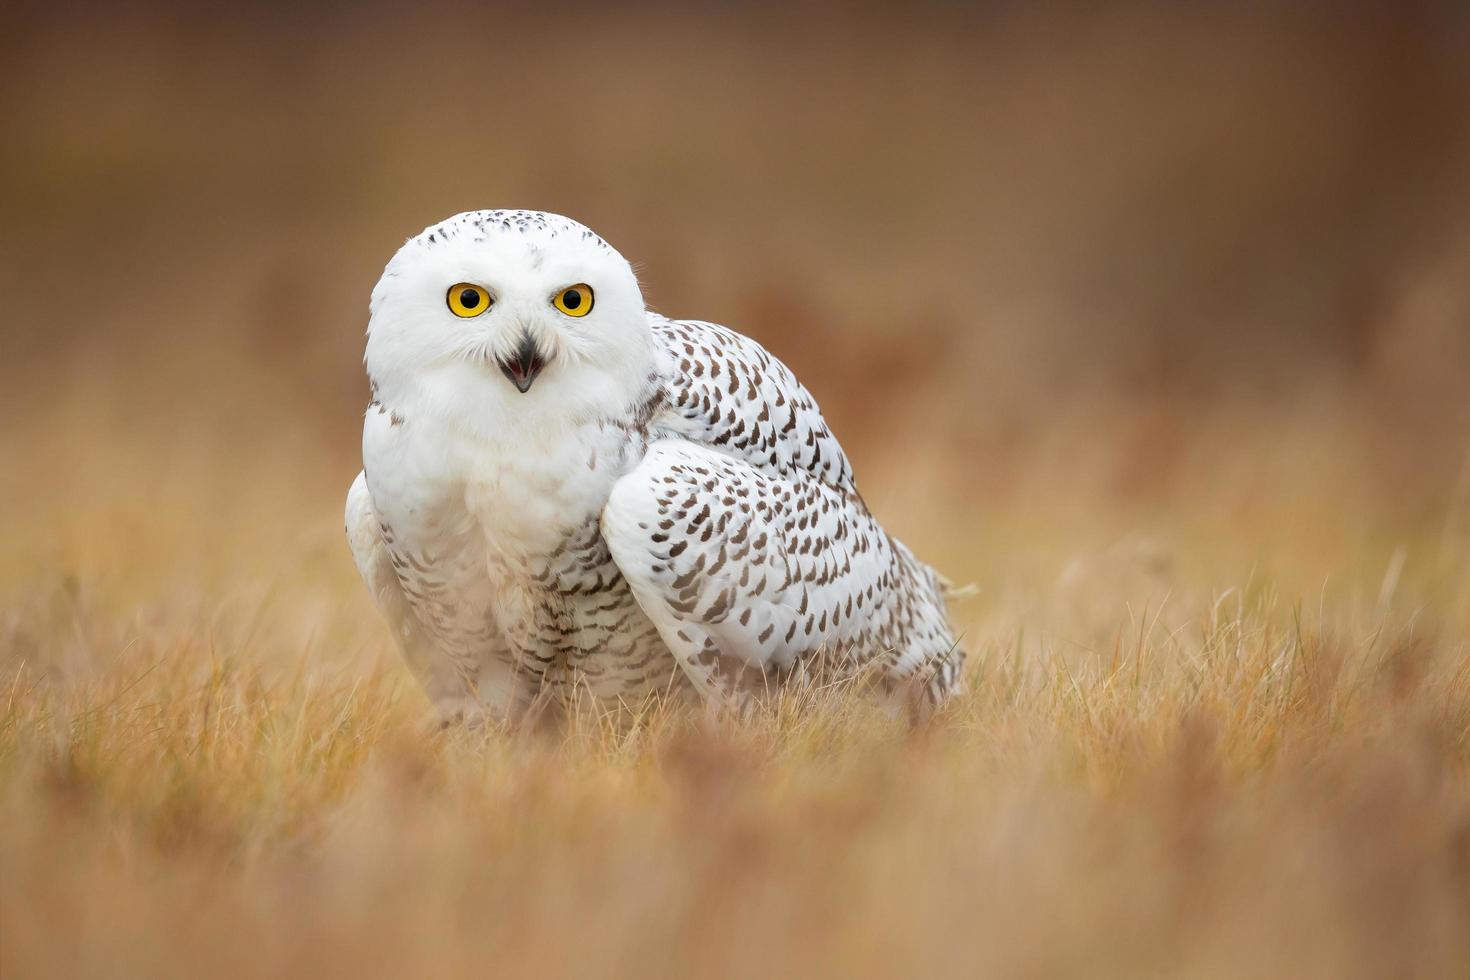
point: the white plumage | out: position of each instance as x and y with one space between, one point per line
565 493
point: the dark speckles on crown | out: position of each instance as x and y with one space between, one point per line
536 224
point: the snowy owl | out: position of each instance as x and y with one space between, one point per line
564 493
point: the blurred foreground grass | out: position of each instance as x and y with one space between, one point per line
1257 796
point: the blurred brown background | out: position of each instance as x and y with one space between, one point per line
1153 255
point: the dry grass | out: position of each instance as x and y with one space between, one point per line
1168 763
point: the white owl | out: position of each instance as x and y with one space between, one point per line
564 493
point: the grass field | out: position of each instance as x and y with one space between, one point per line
1236 746
1151 326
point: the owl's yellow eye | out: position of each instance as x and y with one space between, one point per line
466 299
574 300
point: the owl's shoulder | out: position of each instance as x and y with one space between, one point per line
724 390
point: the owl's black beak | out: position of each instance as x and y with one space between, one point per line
523 365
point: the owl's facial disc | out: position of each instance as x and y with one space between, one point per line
523 364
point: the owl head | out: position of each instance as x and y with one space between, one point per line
496 317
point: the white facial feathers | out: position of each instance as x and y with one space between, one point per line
516 351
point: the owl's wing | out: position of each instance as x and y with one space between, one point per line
374 564
451 686
725 391
749 577
742 535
